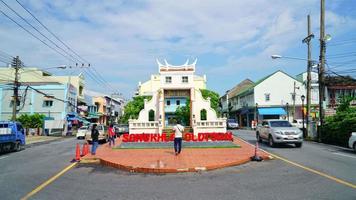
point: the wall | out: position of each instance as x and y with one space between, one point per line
34 101
212 123
32 74
280 87
159 81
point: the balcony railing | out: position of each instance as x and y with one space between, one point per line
211 124
144 125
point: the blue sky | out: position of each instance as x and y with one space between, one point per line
232 39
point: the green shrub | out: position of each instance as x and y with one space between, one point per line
337 129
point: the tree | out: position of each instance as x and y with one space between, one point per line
183 113
24 119
32 121
133 108
345 104
214 99
337 128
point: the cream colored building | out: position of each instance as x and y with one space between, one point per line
173 87
36 75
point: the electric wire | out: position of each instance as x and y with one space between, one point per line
33 35
95 73
92 71
54 35
16 13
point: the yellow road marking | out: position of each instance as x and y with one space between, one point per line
49 181
316 172
308 169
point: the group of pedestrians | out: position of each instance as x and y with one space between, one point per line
95 137
177 128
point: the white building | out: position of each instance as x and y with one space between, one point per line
174 87
275 96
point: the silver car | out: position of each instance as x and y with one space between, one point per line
279 132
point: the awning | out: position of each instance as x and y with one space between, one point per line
271 111
244 111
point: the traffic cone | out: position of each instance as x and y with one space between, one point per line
77 153
256 157
84 150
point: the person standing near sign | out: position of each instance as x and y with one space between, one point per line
94 138
178 134
111 135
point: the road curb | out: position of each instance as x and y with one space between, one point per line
44 142
165 170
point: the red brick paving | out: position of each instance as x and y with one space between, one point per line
164 160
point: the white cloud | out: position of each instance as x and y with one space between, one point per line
123 38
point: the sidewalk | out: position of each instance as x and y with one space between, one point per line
33 140
164 160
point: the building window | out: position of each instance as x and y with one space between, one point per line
81 90
267 96
168 79
47 103
178 102
203 114
168 102
184 79
151 115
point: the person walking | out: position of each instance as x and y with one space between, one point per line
111 135
94 139
178 134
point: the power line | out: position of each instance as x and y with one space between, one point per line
54 35
4 53
33 35
5 61
35 28
93 72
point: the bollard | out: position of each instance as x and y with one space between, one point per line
256 157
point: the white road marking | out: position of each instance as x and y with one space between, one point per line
3 157
341 154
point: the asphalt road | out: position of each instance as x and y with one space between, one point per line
273 179
21 172
332 160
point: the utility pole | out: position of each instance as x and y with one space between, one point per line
307 41
16 64
321 68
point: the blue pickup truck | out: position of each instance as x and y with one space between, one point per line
12 136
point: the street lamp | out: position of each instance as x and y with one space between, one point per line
42 69
276 56
303 98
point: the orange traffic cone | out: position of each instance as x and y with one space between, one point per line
87 148
77 153
84 150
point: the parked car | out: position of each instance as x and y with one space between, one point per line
12 136
352 141
103 134
299 123
232 124
82 132
279 132
121 129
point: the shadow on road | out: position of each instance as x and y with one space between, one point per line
265 144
